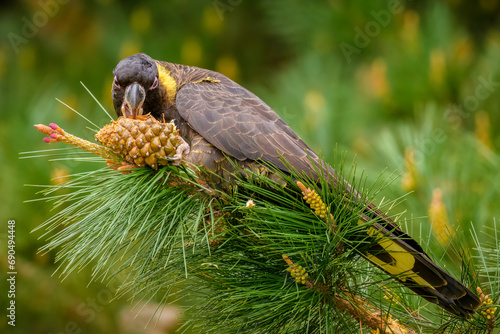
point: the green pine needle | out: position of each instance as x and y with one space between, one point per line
168 237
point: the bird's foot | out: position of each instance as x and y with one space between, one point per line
181 151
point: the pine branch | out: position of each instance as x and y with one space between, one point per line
58 135
226 247
360 309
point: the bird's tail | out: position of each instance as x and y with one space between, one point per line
398 254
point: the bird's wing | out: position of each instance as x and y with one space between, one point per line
241 125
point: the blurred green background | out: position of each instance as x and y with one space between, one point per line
411 87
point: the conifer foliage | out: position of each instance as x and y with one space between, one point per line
281 255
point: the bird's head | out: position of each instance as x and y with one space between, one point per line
136 89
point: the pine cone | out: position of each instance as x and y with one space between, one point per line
142 142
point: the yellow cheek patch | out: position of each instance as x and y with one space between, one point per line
167 81
402 266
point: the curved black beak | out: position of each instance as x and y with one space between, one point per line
133 100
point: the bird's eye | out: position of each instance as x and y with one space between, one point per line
115 83
155 84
